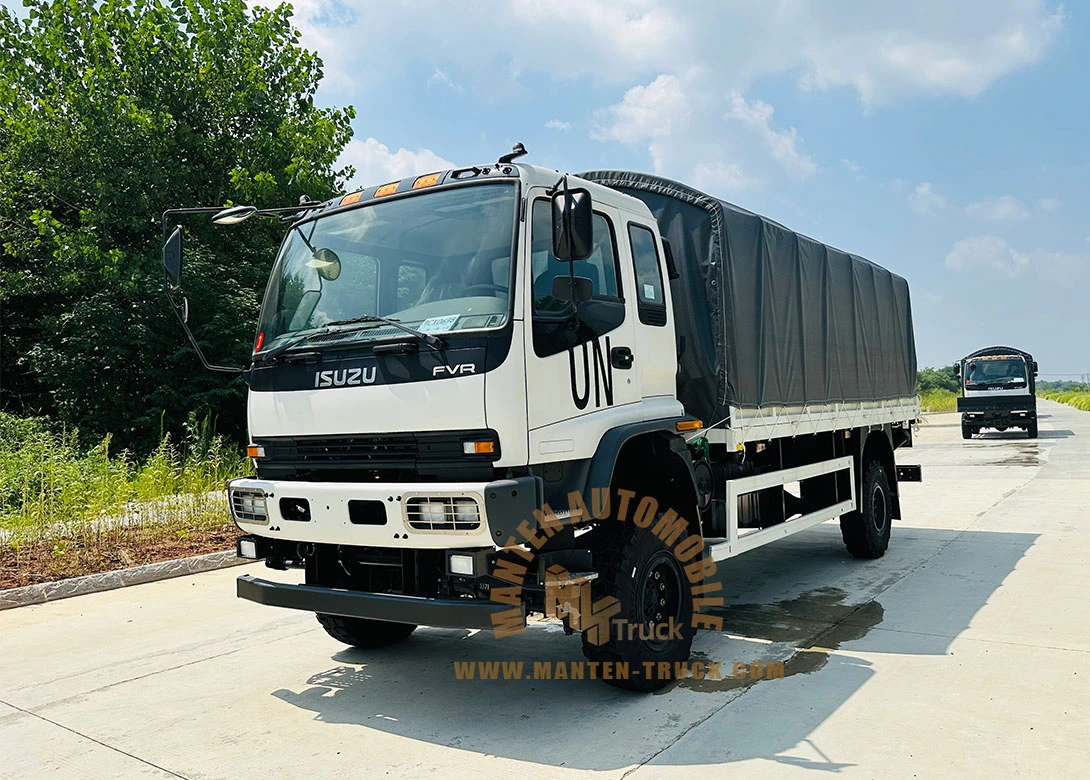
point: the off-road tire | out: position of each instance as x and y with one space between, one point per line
630 558
1031 430
866 531
966 431
363 633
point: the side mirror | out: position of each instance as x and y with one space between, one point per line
1035 368
957 369
172 258
583 289
572 224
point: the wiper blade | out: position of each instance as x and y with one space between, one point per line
432 341
330 328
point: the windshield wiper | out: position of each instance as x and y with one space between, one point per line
432 341
330 328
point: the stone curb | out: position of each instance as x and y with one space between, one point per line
109 580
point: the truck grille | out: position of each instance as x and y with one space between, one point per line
443 513
385 456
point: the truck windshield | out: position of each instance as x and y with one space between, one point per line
438 261
1008 372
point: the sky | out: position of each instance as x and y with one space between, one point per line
949 142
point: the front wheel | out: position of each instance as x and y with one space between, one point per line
866 531
966 431
1031 430
653 629
364 633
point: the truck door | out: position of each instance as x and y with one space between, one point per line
580 374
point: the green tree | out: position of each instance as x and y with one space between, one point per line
942 378
111 113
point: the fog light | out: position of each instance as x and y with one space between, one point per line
461 564
247 548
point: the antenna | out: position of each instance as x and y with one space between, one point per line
518 150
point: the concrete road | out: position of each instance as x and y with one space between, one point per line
964 652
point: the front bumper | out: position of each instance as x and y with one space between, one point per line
331 519
444 613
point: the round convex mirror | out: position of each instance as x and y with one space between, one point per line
326 263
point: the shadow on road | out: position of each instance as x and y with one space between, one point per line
780 606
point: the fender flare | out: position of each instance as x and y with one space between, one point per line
604 461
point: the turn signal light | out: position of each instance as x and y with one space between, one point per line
255 451
689 425
479 447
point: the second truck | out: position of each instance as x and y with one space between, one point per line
1000 391
456 375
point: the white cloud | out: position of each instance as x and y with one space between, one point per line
852 166
986 253
882 51
556 124
645 113
757 115
441 77
886 51
1001 209
721 177
995 253
376 164
680 64
924 199
1049 205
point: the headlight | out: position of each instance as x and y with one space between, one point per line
442 513
466 514
249 506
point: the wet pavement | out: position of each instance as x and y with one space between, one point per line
964 652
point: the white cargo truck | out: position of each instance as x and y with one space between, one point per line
498 390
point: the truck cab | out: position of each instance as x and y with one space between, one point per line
999 391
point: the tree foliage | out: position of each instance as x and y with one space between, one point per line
111 113
942 378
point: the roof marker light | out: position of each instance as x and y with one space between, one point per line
387 189
351 198
427 181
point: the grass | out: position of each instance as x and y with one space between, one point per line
1080 399
84 503
939 401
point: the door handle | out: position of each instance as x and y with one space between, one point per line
621 357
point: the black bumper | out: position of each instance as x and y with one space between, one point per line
444 613
999 405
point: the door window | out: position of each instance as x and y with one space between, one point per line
650 299
553 310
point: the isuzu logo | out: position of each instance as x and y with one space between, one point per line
345 377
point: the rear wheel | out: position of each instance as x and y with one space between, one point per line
866 531
644 574
364 633
966 430
1031 429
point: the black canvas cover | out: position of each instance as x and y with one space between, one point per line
766 317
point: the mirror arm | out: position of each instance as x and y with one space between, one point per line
197 347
